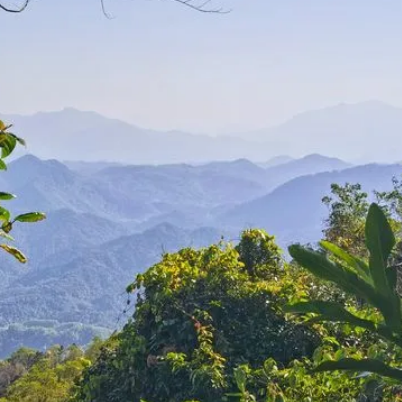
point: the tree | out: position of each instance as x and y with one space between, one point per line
16 366
8 142
200 314
47 381
348 206
51 376
202 6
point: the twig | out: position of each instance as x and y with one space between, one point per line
15 10
202 7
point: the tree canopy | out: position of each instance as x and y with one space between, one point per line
199 315
214 324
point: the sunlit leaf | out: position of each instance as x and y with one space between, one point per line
14 252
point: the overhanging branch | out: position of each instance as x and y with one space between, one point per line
15 9
201 6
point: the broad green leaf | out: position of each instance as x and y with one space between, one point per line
345 278
392 276
380 241
370 365
329 311
3 165
30 217
356 263
14 252
6 196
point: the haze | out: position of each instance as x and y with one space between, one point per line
159 65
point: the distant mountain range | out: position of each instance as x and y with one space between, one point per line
135 194
75 135
294 210
362 132
107 222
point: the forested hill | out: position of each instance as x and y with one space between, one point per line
107 222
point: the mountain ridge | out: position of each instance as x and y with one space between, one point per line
360 131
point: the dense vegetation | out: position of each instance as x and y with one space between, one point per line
236 321
29 375
212 324
108 224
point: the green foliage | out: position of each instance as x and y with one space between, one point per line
261 256
375 283
348 206
39 334
17 365
45 377
8 142
199 316
214 324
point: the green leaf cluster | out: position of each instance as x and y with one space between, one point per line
8 142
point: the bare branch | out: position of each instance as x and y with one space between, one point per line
105 13
17 9
202 6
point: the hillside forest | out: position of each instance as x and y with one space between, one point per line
233 319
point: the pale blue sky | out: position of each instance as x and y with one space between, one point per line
159 65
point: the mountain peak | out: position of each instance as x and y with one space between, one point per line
29 159
319 157
29 168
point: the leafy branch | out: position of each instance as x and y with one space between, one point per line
8 142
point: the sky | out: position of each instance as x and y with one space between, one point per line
160 65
